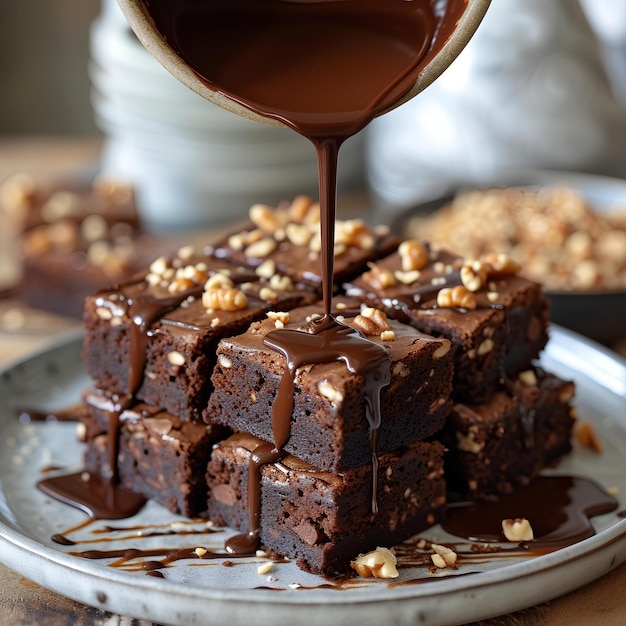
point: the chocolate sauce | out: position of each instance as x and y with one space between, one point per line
557 507
69 414
99 497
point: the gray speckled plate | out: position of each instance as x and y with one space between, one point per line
206 592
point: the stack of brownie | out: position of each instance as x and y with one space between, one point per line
184 382
510 418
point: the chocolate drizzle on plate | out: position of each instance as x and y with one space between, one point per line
557 507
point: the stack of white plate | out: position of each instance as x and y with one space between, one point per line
192 163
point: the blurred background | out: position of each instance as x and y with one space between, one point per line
541 86
43 67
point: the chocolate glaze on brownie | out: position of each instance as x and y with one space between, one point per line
329 426
154 337
499 337
158 455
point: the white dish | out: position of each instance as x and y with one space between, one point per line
238 595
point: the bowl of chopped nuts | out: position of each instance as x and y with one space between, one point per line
565 230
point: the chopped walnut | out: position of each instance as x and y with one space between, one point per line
371 321
413 254
378 277
443 556
518 529
456 298
473 275
224 299
380 563
587 436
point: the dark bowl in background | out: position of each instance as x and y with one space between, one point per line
599 315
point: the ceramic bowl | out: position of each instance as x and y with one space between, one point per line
142 24
599 315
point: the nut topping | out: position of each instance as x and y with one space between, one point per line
224 299
456 298
380 563
413 254
518 529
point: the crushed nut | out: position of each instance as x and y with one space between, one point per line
456 298
218 280
388 335
279 316
181 284
330 392
485 347
473 275
380 563
587 436
281 283
518 529
159 266
224 299
176 358
371 321
266 218
267 269
265 568
441 351
413 254
407 278
528 378
443 556
268 294
378 277
298 234
200 552
261 248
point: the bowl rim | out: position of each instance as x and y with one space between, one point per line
142 24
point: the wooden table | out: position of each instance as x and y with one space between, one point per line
23 603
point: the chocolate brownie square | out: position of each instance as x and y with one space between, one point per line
503 443
496 320
329 424
289 236
323 520
158 455
155 336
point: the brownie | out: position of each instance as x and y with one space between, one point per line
75 239
329 424
323 520
159 456
497 333
289 236
155 336
31 202
501 444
